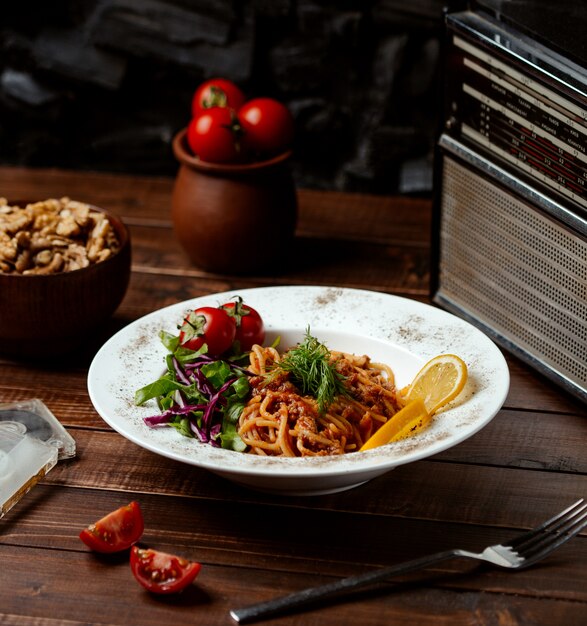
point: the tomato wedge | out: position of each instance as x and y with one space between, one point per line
160 572
117 531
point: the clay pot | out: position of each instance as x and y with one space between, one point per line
235 219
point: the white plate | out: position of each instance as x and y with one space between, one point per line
403 333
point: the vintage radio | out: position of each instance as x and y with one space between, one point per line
511 182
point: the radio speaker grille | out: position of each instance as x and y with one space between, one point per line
517 271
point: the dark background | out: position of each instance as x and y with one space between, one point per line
105 85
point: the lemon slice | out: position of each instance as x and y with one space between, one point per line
404 423
438 382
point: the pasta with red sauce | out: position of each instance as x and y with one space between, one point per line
279 421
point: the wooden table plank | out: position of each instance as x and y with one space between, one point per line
124 194
313 261
525 439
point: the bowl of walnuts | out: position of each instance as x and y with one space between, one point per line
64 270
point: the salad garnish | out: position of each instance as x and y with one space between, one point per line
199 395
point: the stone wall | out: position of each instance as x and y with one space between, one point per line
105 85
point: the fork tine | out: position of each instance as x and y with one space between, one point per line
561 528
517 542
539 552
553 536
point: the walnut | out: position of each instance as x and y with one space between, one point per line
14 221
8 247
39 242
67 226
55 235
44 257
23 239
50 263
76 257
80 213
23 261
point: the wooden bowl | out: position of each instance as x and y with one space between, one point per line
46 316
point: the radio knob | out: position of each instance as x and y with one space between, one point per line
450 123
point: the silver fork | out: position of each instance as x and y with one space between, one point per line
522 551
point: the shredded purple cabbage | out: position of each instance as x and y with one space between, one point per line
202 382
189 374
164 418
179 373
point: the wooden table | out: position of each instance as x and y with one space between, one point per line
526 465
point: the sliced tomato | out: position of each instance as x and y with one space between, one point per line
117 531
160 572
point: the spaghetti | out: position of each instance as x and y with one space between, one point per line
279 421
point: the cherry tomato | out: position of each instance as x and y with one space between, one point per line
160 572
116 531
214 135
267 126
208 325
217 92
250 328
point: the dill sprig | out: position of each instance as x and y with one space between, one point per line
310 369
